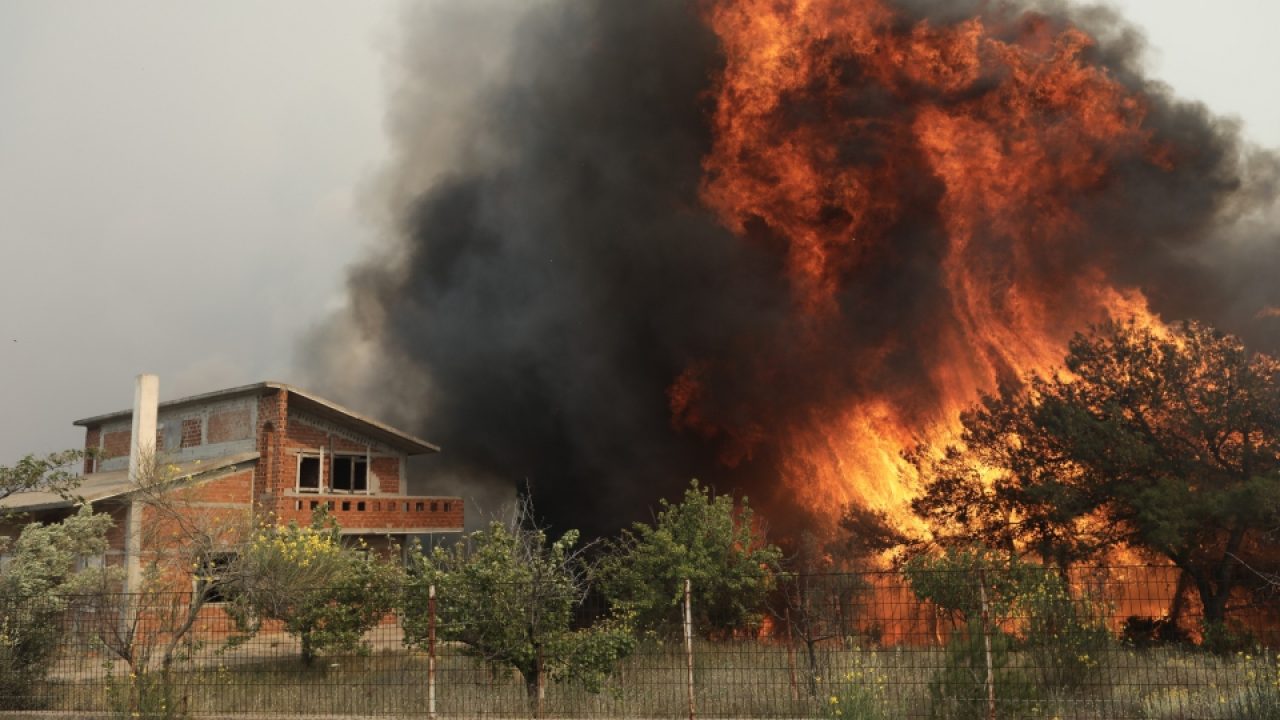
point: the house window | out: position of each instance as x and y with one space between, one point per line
213 577
309 473
90 562
350 473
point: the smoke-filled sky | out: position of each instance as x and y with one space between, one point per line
182 189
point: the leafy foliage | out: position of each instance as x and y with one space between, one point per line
1009 605
705 539
149 626
814 604
35 585
859 695
509 596
50 473
322 592
1165 441
962 581
959 690
1066 636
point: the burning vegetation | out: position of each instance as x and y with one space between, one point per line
779 245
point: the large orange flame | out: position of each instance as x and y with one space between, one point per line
832 118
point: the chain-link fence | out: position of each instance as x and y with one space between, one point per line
1112 643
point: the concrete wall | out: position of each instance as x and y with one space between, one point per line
193 432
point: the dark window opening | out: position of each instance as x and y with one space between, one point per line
346 505
350 474
309 473
360 507
434 506
448 507
418 508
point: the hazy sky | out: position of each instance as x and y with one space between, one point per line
180 183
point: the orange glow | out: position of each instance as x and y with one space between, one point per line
835 123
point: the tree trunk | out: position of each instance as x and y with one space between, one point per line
1178 603
809 643
308 650
531 683
533 687
1213 599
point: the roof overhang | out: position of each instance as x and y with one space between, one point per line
300 399
108 485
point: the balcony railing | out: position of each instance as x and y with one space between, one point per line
375 512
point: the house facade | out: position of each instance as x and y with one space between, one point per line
268 449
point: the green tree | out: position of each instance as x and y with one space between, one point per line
38 584
1167 441
981 590
706 539
323 592
509 596
148 627
50 473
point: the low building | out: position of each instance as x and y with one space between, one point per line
269 449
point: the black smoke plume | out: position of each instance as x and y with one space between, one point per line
551 271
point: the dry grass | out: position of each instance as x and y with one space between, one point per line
733 679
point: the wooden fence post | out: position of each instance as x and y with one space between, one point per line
688 643
986 642
431 652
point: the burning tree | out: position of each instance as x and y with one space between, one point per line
1164 440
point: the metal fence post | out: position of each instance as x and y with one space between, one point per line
688 643
431 651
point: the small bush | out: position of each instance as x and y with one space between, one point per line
1260 695
859 694
1065 636
959 690
144 695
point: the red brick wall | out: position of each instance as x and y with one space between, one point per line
388 472
234 488
191 432
230 425
302 437
272 415
92 438
374 512
119 513
116 444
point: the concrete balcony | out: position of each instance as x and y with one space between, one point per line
359 514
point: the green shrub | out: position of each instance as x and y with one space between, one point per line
959 691
324 593
144 695
34 589
1066 636
859 694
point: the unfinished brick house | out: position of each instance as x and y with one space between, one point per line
268 448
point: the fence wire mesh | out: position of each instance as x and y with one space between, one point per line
1115 643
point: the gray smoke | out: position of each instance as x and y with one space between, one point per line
549 269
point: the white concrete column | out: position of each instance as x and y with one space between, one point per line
142 451
146 398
